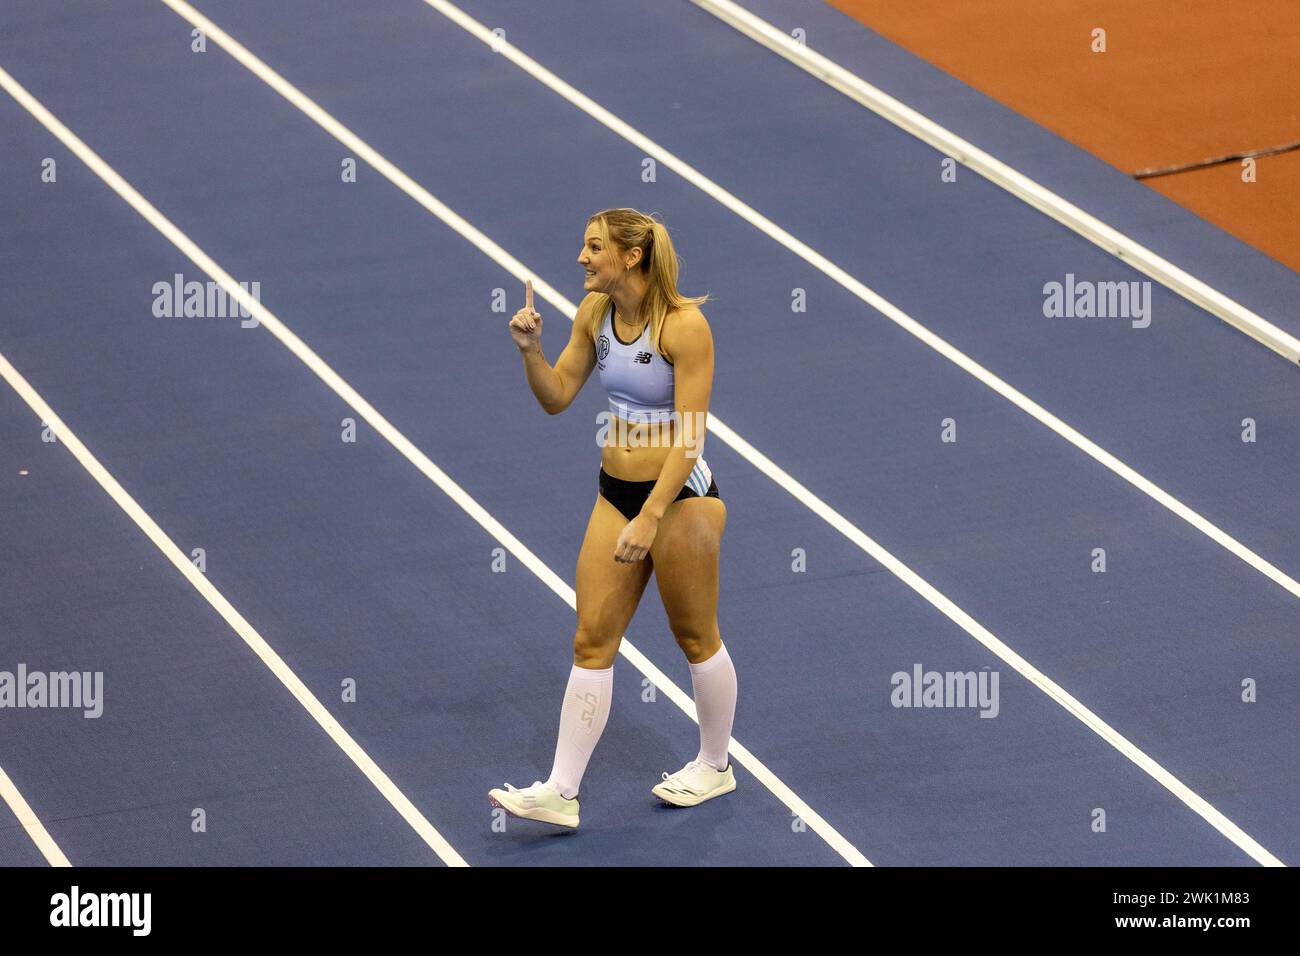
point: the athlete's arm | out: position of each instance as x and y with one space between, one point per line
555 388
689 343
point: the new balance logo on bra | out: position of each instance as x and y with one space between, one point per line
642 358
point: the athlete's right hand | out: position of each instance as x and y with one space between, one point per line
526 325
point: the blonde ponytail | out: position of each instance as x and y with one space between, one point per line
624 229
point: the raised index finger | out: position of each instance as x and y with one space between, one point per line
528 295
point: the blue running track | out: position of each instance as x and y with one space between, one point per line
360 572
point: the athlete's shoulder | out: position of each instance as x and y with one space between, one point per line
686 322
591 304
586 319
686 332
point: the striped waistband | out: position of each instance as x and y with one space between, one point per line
700 478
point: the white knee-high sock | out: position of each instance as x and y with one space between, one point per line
582 721
714 684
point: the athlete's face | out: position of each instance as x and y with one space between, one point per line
602 267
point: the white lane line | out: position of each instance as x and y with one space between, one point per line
238 624
876 301
29 822
716 427
408 450
1000 174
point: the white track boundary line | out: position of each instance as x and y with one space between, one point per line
876 301
200 582
28 820
238 624
1000 174
295 96
408 450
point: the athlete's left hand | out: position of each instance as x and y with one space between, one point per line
634 543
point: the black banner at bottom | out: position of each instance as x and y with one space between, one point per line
333 905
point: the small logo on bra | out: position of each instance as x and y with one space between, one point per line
642 358
602 347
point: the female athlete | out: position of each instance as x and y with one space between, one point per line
658 508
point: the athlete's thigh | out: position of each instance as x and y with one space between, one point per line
685 553
608 590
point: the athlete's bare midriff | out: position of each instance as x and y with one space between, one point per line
637 452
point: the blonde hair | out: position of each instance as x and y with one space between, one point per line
622 230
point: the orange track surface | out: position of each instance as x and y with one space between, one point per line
1180 81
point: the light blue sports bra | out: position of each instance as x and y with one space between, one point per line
638 379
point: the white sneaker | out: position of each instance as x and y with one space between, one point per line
695 783
538 802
